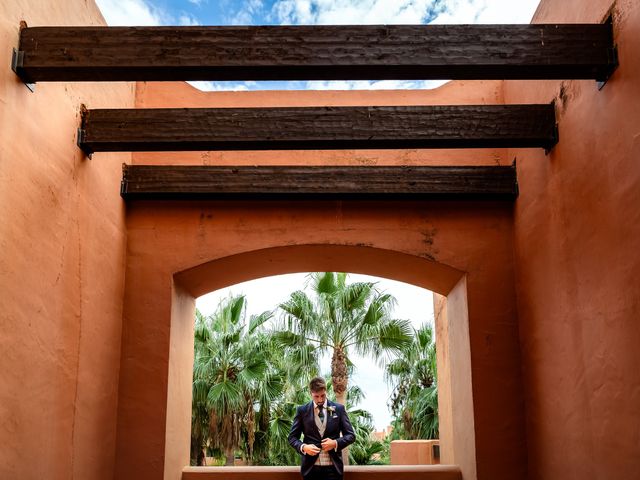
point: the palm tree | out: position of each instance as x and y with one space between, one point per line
341 318
276 421
413 376
281 417
231 379
361 452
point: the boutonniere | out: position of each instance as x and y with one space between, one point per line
332 410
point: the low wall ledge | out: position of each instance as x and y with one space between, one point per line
355 472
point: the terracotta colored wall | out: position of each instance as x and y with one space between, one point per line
456 429
62 246
166 238
577 235
413 452
169 94
62 238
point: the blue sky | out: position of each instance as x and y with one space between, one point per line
245 12
311 12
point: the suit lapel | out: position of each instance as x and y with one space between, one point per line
330 419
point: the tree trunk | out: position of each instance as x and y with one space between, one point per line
340 380
339 377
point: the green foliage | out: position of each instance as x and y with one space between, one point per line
233 380
250 375
414 400
363 450
340 318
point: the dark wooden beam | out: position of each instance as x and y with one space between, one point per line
153 182
420 52
318 128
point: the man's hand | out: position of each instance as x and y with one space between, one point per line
311 449
329 444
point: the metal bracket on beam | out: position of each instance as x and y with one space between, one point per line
82 132
556 139
79 142
516 187
125 182
555 136
614 65
613 57
17 62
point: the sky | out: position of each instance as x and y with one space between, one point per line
311 12
413 303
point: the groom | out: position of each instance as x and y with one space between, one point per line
321 422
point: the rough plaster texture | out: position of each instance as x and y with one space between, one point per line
454 379
167 238
204 240
170 94
216 244
577 232
571 246
62 244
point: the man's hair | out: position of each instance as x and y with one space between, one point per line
317 384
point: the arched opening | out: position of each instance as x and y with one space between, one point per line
454 361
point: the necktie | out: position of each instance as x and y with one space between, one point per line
320 412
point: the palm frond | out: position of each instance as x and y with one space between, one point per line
224 397
395 335
257 321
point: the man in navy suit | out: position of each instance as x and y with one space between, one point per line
321 421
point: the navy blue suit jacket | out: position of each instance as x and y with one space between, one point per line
337 423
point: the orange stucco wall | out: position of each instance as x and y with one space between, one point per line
577 237
168 237
413 452
162 241
62 254
542 300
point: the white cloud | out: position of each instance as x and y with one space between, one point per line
207 86
197 3
342 12
358 12
132 12
187 20
488 11
246 15
143 13
374 85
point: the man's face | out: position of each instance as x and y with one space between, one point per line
319 397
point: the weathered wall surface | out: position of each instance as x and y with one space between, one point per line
165 238
577 234
62 245
168 94
63 235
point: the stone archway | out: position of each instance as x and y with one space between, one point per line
463 250
457 439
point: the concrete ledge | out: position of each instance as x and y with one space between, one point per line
373 472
